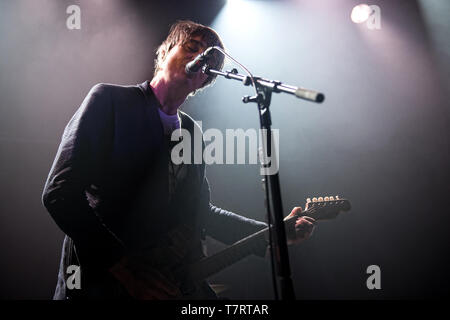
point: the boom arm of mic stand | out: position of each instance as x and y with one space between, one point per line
275 86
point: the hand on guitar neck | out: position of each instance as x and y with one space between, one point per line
302 229
321 208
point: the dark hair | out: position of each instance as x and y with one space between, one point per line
182 31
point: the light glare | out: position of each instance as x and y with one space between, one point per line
361 13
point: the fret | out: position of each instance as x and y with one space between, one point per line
212 264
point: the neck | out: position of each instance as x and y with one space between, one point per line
169 94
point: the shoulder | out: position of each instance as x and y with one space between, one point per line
100 100
113 89
106 97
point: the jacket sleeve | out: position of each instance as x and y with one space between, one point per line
226 226
78 155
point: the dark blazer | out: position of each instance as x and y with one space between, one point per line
107 189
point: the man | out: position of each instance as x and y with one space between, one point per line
131 216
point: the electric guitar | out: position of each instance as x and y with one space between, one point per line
321 208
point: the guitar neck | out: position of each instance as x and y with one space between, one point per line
208 266
320 209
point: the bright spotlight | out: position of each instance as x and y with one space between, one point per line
361 13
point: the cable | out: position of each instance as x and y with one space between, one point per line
238 63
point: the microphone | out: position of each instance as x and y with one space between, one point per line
198 62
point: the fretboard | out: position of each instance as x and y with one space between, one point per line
237 251
232 254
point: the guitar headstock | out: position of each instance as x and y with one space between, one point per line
325 208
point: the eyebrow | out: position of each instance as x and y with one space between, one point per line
202 43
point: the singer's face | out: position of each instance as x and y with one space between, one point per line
176 60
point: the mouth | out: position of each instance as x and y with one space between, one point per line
190 76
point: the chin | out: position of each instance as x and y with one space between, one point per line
178 77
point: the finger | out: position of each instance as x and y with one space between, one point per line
304 222
295 211
304 227
310 219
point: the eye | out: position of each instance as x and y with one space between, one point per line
192 46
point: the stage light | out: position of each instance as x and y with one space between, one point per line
361 13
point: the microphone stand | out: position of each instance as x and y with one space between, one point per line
271 181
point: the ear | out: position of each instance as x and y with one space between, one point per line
162 56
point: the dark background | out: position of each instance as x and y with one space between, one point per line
380 139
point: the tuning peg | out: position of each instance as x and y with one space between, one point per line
308 200
326 198
314 199
331 198
337 197
320 199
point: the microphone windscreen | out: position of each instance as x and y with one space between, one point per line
310 95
